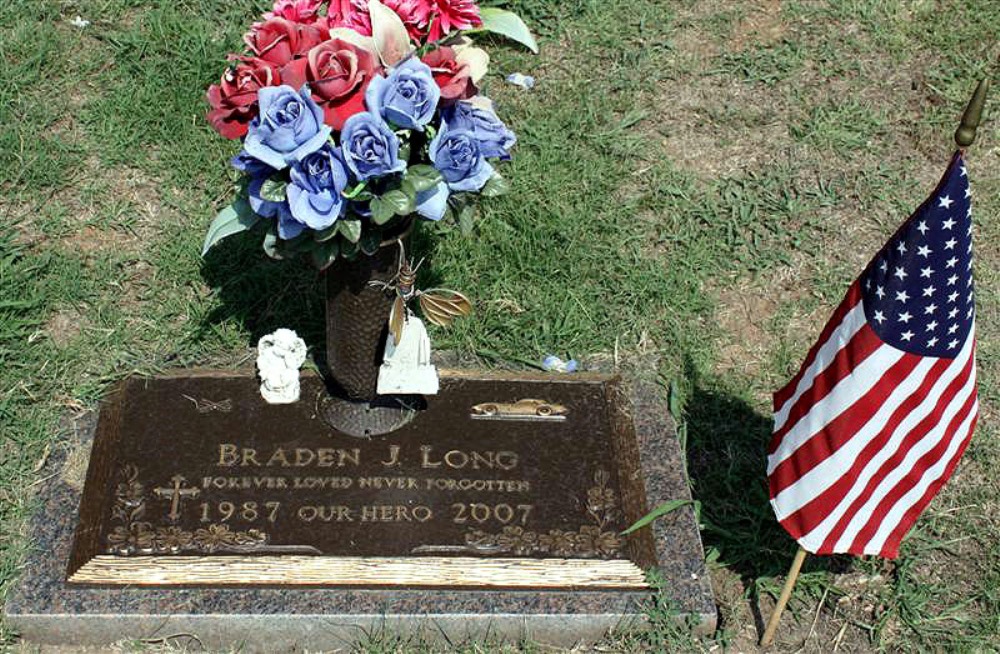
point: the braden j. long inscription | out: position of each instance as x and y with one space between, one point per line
462 496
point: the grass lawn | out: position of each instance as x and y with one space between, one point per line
694 181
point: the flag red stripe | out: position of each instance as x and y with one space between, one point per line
812 514
845 426
860 347
912 478
852 298
891 548
912 437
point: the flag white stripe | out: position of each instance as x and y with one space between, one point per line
853 321
841 397
825 474
926 443
819 533
932 474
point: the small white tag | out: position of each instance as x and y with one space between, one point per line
406 368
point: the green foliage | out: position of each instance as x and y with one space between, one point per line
507 24
382 211
273 189
659 512
495 186
421 177
350 229
237 217
325 253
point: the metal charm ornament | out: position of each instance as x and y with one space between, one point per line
440 306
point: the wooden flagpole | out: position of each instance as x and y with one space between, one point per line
786 592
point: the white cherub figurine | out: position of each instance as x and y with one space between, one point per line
279 357
407 365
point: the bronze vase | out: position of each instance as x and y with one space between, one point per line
357 314
357 317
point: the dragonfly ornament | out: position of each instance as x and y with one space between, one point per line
440 306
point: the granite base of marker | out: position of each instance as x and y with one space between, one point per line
44 610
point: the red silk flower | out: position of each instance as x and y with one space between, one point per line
338 73
454 78
279 41
234 99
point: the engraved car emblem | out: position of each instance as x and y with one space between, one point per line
526 409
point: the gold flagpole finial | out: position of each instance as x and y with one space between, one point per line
966 132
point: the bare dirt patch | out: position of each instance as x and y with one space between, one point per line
761 25
716 126
747 307
64 326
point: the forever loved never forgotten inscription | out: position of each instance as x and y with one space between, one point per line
497 483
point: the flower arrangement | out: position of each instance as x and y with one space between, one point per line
355 115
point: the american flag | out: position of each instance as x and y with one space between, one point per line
885 403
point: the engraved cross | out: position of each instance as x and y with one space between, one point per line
176 494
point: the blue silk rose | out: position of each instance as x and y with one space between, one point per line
260 205
407 98
457 156
289 127
495 140
370 148
252 167
314 194
258 173
433 202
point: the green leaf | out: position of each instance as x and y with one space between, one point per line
301 243
465 218
371 240
351 229
349 250
422 177
674 400
237 217
509 24
272 244
495 186
381 211
273 189
658 512
402 203
325 235
325 253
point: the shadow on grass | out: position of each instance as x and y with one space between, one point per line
262 295
727 462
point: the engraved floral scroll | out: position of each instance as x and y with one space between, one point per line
589 541
133 535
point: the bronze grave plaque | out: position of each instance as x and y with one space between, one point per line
500 482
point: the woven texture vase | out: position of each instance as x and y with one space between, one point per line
357 317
